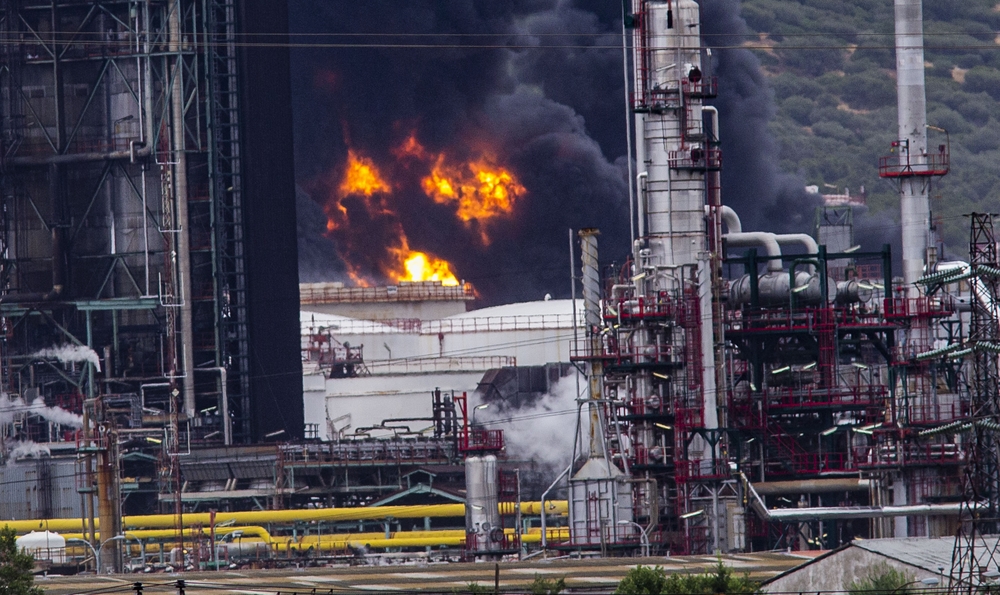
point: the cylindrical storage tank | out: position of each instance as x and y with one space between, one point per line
239 551
483 529
773 290
852 292
43 545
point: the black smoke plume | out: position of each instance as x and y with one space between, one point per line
765 198
538 81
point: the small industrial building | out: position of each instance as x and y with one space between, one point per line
921 558
399 358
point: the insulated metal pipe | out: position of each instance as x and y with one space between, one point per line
814 513
811 486
803 239
181 197
729 217
754 239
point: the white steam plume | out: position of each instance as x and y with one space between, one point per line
542 432
28 449
11 408
72 353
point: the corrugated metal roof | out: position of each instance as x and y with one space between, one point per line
932 554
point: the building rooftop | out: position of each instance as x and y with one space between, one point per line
417 291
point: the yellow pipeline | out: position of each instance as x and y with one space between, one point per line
402 539
341 541
168 534
258 517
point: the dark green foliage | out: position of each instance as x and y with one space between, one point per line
832 69
645 580
547 586
475 588
983 79
15 567
880 580
799 108
868 90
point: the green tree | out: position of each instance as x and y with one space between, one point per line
644 580
16 577
547 586
880 579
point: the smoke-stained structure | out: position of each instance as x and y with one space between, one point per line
537 85
148 229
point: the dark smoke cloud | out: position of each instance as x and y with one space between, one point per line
532 107
765 198
318 258
554 115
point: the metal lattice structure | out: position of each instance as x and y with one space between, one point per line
973 556
122 226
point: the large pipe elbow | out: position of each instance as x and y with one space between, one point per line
803 239
763 239
729 217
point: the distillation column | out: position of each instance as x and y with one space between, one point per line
674 156
673 159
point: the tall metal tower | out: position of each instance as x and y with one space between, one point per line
973 555
148 215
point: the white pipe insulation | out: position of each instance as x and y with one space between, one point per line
771 242
729 217
753 239
821 513
803 239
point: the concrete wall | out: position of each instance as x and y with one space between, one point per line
835 572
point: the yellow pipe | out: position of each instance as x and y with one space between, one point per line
341 541
259 517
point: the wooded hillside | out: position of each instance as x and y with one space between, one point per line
831 63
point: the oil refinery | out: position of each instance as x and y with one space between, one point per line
728 390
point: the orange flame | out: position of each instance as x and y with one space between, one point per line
363 180
361 177
411 147
479 190
421 267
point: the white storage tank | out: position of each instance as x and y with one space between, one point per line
43 545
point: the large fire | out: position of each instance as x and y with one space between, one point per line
418 266
362 177
365 219
478 190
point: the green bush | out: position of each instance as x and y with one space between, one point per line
799 108
880 579
645 580
547 586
